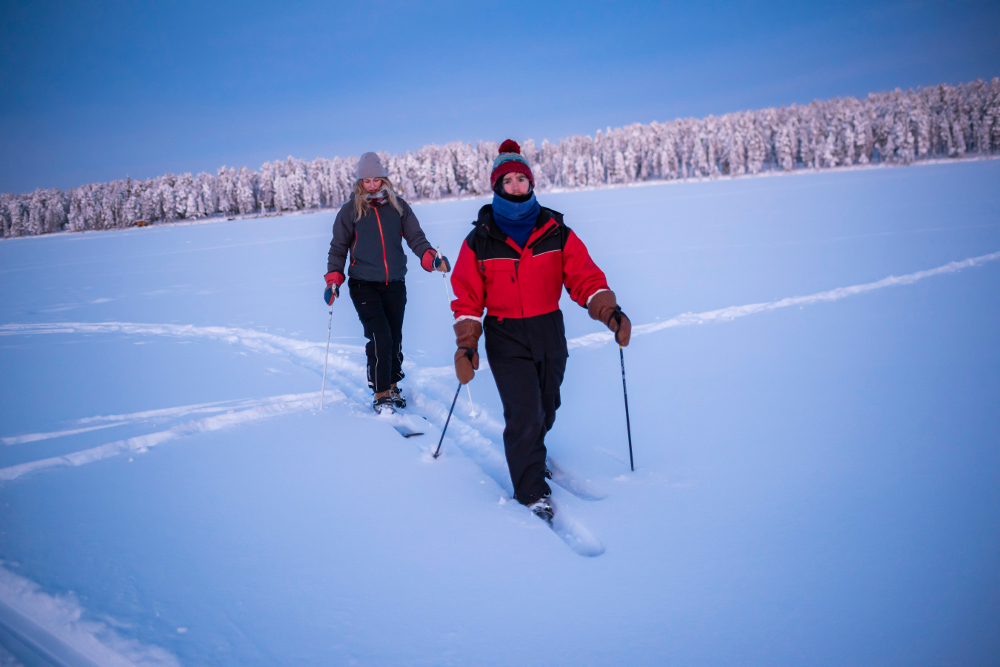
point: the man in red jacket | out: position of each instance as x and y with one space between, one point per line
513 267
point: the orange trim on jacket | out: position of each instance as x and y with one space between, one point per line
385 260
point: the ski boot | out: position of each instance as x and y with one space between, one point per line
398 400
542 508
383 403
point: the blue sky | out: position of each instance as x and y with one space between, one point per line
94 91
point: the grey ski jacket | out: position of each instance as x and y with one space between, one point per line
375 243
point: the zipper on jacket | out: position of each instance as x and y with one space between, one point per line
382 236
547 233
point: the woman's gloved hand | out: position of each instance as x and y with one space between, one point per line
334 280
432 260
441 264
467 333
604 307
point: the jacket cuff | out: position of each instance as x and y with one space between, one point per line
334 278
595 294
427 259
461 318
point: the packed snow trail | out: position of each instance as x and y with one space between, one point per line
345 373
481 449
349 375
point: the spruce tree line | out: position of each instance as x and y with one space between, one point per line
891 127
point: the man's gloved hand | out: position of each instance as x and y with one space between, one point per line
467 333
604 308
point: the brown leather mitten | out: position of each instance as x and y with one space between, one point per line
467 333
604 308
601 306
624 332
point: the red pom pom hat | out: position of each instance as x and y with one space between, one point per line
510 160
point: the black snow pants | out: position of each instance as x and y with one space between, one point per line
380 308
528 359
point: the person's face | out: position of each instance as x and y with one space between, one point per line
372 185
516 184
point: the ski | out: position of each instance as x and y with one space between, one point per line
406 431
408 426
571 531
583 489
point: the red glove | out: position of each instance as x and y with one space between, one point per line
432 260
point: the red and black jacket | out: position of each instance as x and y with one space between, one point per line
494 274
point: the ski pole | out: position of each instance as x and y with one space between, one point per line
472 405
447 291
329 296
444 275
326 359
628 426
437 451
617 316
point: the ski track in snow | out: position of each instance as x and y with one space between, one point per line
346 372
277 405
733 312
152 415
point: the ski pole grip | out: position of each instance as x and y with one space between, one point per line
616 315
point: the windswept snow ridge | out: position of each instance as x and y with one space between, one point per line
54 631
732 312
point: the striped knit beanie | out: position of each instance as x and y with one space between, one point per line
508 161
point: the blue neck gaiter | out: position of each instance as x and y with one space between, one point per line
516 219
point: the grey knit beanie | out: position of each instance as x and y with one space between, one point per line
369 166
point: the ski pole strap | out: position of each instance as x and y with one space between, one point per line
469 352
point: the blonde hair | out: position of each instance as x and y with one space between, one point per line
361 206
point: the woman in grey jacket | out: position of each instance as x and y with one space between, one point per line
371 227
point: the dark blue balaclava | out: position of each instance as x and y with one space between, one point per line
515 215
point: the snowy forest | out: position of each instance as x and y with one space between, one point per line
895 127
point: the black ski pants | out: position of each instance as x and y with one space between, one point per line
528 359
380 308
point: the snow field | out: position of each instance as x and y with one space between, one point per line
813 484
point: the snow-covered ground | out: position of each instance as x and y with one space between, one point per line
814 387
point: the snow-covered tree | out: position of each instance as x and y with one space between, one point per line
895 127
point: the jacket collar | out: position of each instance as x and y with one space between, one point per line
486 224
